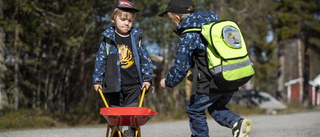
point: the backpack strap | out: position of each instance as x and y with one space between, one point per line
107 45
140 42
195 74
107 48
192 30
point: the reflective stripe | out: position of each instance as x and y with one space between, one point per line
108 41
190 30
107 48
219 68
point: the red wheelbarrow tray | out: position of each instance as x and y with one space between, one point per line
127 116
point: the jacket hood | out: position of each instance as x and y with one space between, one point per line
196 20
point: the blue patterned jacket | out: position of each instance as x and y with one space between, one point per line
188 43
140 54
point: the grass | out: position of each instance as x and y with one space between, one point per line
26 119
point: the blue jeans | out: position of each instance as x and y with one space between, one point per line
216 105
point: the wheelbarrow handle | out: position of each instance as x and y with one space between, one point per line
105 102
142 96
102 96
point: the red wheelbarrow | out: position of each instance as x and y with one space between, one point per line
126 116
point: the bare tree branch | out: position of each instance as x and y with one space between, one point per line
44 12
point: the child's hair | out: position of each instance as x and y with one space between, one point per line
127 14
171 16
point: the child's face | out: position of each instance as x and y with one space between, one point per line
175 23
174 19
123 23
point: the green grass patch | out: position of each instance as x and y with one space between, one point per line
26 119
245 111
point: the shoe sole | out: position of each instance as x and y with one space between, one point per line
245 128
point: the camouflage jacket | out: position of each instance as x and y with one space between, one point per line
141 57
188 43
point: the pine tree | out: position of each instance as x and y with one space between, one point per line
297 19
2 65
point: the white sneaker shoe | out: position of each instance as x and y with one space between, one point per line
242 128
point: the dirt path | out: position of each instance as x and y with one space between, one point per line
293 125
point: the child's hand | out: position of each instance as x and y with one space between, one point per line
146 85
163 83
97 86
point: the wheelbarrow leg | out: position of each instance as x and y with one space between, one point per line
114 130
107 135
138 132
119 132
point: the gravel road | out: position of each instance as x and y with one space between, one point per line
292 125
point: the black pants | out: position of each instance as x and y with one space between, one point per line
127 97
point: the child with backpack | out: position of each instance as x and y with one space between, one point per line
192 54
123 67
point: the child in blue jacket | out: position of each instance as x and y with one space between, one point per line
191 54
123 67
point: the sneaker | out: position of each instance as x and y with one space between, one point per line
128 133
192 135
242 128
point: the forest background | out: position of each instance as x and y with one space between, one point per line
48 48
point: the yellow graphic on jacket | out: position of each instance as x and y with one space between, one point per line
125 56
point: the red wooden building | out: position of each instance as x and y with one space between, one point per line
295 94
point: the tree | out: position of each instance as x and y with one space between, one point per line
2 65
158 39
52 38
13 30
297 19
